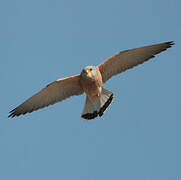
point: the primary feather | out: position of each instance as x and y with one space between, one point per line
51 94
125 60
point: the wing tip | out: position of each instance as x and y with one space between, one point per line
16 112
170 43
13 113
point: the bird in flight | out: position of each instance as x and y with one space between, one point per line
90 81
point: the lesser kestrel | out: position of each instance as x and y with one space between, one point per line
90 81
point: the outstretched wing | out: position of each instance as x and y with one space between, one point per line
124 60
51 94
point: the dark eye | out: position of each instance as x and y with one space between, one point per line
90 69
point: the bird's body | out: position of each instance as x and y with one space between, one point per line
97 96
92 85
90 81
91 88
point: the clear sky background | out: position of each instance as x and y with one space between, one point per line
139 135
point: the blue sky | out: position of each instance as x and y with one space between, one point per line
139 135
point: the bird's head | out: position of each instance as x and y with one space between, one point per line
89 72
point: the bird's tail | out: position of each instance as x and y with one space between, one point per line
96 106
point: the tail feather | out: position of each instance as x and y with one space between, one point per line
89 111
105 106
97 105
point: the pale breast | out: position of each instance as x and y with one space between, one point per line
91 87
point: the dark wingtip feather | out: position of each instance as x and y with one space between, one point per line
170 43
12 114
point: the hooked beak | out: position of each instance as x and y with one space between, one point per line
88 73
